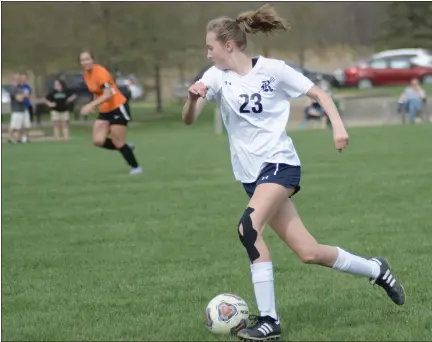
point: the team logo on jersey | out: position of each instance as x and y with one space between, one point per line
267 86
226 311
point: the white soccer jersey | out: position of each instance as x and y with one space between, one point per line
255 110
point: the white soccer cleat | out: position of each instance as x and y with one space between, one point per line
136 171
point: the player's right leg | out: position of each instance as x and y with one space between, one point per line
265 202
290 228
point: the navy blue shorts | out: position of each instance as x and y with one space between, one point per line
283 174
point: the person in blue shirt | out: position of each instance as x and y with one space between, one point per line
412 100
25 86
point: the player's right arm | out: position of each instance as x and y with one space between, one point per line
195 103
199 93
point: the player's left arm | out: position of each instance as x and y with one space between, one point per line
296 85
327 103
104 80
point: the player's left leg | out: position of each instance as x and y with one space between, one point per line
118 123
264 203
118 137
290 228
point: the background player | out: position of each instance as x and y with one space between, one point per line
253 96
114 111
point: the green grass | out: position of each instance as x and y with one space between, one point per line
89 253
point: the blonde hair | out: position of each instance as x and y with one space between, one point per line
265 20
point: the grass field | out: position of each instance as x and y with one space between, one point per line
90 253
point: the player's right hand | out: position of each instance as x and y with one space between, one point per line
197 90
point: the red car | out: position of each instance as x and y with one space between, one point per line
383 71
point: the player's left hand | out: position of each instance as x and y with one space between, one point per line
340 137
87 109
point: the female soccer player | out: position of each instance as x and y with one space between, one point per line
114 112
253 96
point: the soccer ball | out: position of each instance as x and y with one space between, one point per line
226 314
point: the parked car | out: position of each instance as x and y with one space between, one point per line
417 56
325 80
74 81
136 89
388 70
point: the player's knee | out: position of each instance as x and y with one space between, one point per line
98 141
248 235
309 256
118 143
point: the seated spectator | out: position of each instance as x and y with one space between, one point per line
412 100
315 112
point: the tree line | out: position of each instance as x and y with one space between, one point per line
145 37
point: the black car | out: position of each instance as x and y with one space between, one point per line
75 83
325 80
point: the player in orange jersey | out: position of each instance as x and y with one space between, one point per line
114 111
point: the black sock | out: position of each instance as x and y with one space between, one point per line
108 144
128 155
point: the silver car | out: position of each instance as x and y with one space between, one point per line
136 89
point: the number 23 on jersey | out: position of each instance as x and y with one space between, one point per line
251 103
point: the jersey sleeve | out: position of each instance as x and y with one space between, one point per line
294 83
104 78
212 78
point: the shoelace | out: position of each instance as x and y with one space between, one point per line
254 319
385 281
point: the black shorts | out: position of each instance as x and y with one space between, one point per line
119 116
283 174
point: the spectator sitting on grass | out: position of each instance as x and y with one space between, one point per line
412 100
314 111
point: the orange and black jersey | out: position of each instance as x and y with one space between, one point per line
99 79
